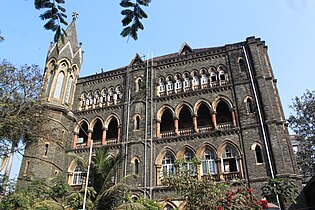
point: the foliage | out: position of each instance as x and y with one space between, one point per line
132 17
285 188
139 204
302 122
207 194
38 194
108 193
22 117
55 15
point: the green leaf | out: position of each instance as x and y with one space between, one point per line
126 3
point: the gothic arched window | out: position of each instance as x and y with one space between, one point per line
208 163
50 80
229 161
258 154
249 105
77 176
68 90
59 84
168 165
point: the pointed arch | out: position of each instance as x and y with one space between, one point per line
184 114
241 64
222 98
163 152
138 82
69 89
248 101
97 126
181 152
162 109
257 148
59 85
208 156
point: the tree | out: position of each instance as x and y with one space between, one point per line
22 117
302 122
38 194
206 194
285 188
55 15
109 194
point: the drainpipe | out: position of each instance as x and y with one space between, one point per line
127 133
261 122
151 131
146 132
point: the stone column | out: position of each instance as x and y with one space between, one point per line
176 126
195 124
233 118
158 131
89 137
75 139
118 134
104 136
158 175
214 120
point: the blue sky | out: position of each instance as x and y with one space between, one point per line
287 26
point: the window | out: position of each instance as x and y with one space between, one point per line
77 177
196 80
208 163
188 165
186 82
27 164
162 87
104 94
138 84
222 76
83 97
51 77
170 86
136 167
204 79
168 166
68 91
258 154
213 77
59 85
178 84
46 149
242 64
229 160
249 106
137 123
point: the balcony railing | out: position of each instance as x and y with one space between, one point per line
111 141
167 134
224 126
205 129
231 176
186 131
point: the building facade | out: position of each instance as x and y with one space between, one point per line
219 105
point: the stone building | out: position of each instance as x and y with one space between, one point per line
219 104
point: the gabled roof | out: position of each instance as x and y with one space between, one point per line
136 60
185 49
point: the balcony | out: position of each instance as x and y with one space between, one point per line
231 176
111 141
225 126
167 134
205 129
186 131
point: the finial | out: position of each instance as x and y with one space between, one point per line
75 15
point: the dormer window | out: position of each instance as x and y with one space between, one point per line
222 76
213 77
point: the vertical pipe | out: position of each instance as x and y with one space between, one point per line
127 134
146 132
87 175
151 129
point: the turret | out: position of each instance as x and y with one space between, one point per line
46 157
